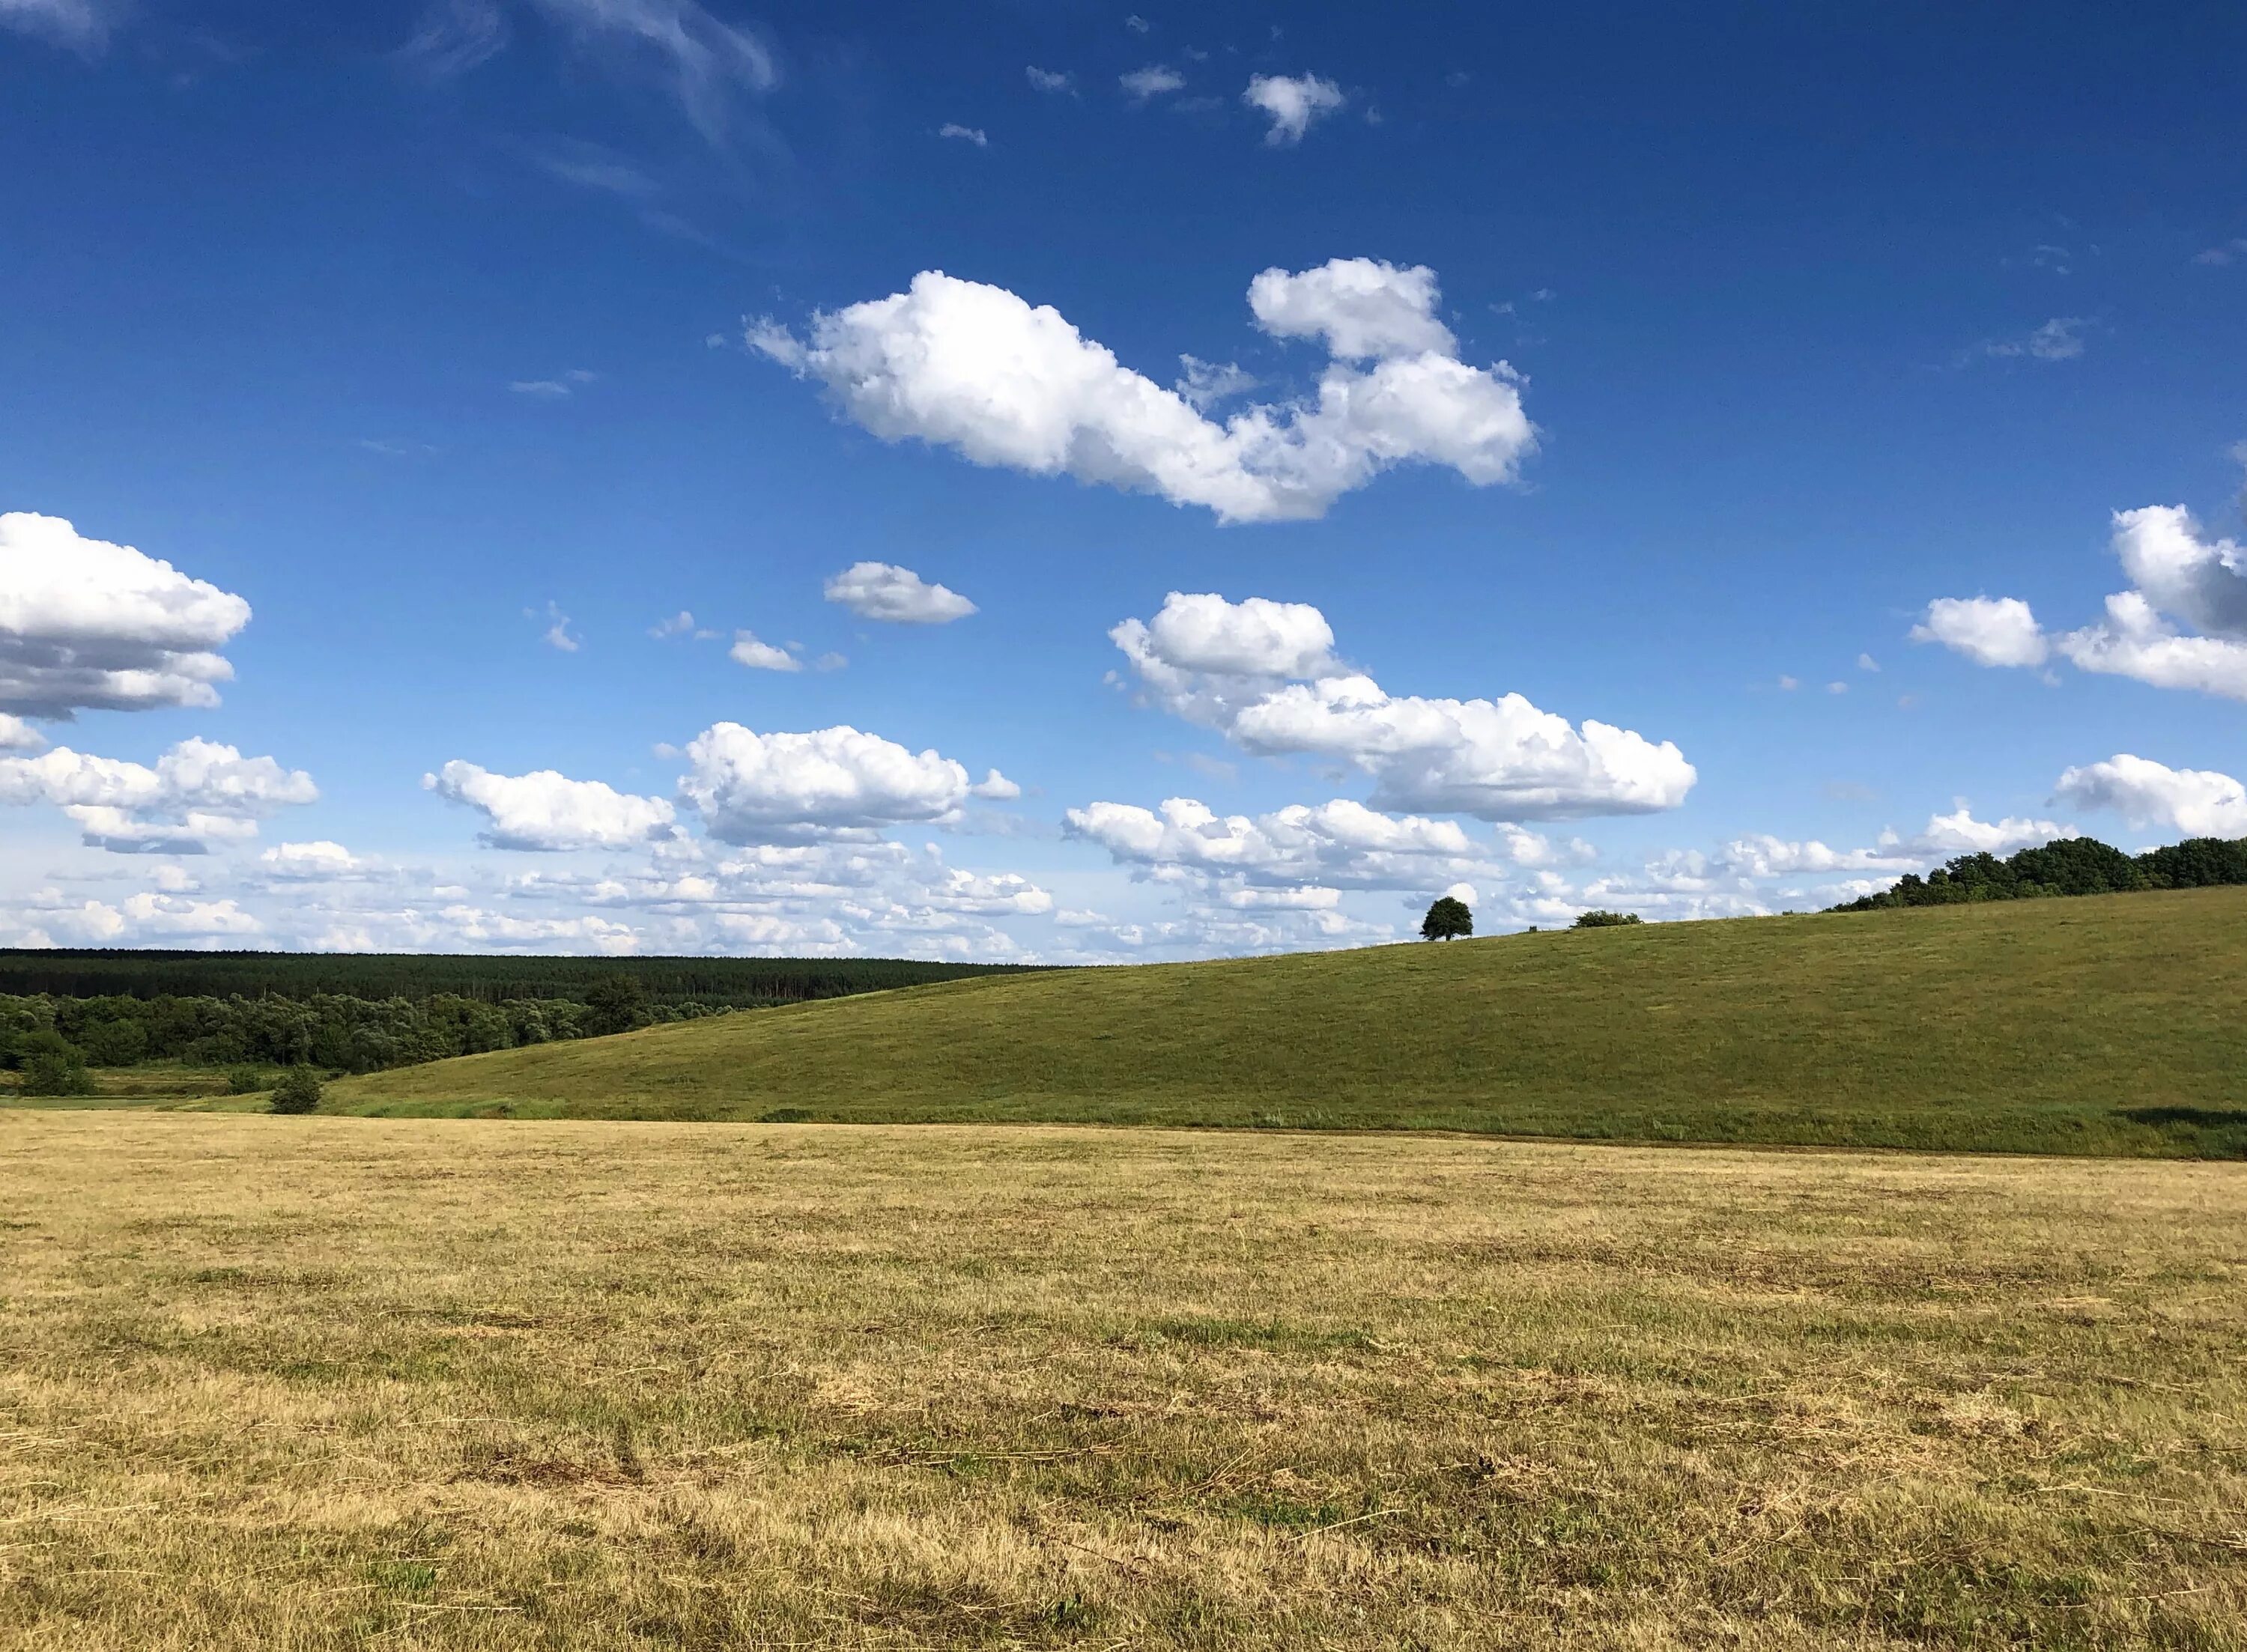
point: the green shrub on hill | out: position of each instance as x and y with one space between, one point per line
57 1073
297 1091
1605 920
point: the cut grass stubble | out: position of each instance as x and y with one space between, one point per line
333 1383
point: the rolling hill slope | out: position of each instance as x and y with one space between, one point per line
2108 1024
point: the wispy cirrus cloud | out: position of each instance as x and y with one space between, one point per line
79 25
706 65
2059 339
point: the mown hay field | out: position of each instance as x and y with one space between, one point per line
337 1383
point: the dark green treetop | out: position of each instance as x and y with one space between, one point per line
1447 919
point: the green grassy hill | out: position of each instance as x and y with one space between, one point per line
2109 1024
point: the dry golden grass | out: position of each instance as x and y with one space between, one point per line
325 1382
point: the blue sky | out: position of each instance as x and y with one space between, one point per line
1785 392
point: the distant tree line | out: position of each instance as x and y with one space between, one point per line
2068 866
296 1018
738 983
331 1030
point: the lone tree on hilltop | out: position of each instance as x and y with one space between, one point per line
1447 919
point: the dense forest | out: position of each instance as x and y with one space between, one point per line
61 1012
737 983
2067 866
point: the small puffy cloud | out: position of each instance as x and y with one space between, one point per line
1361 307
776 788
557 635
2059 339
973 367
198 792
1151 81
990 895
88 625
1764 856
1866 662
17 735
747 650
1959 833
315 861
504 932
995 788
1049 79
2177 572
2175 569
1990 631
2199 803
2135 641
2200 580
1262 674
886 592
122 831
1525 847
1254 637
547 811
2224 252
1293 102
975 135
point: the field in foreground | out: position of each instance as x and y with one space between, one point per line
313 1383
2105 1025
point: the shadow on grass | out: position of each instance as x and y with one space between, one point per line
2212 1132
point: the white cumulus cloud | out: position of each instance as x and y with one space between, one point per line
1332 842
747 650
754 789
1990 631
1361 307
544 810
311 862
973 367
1276 691
2178 571
2200 803
1293 102
85 624
197 793
1959 833
884 590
